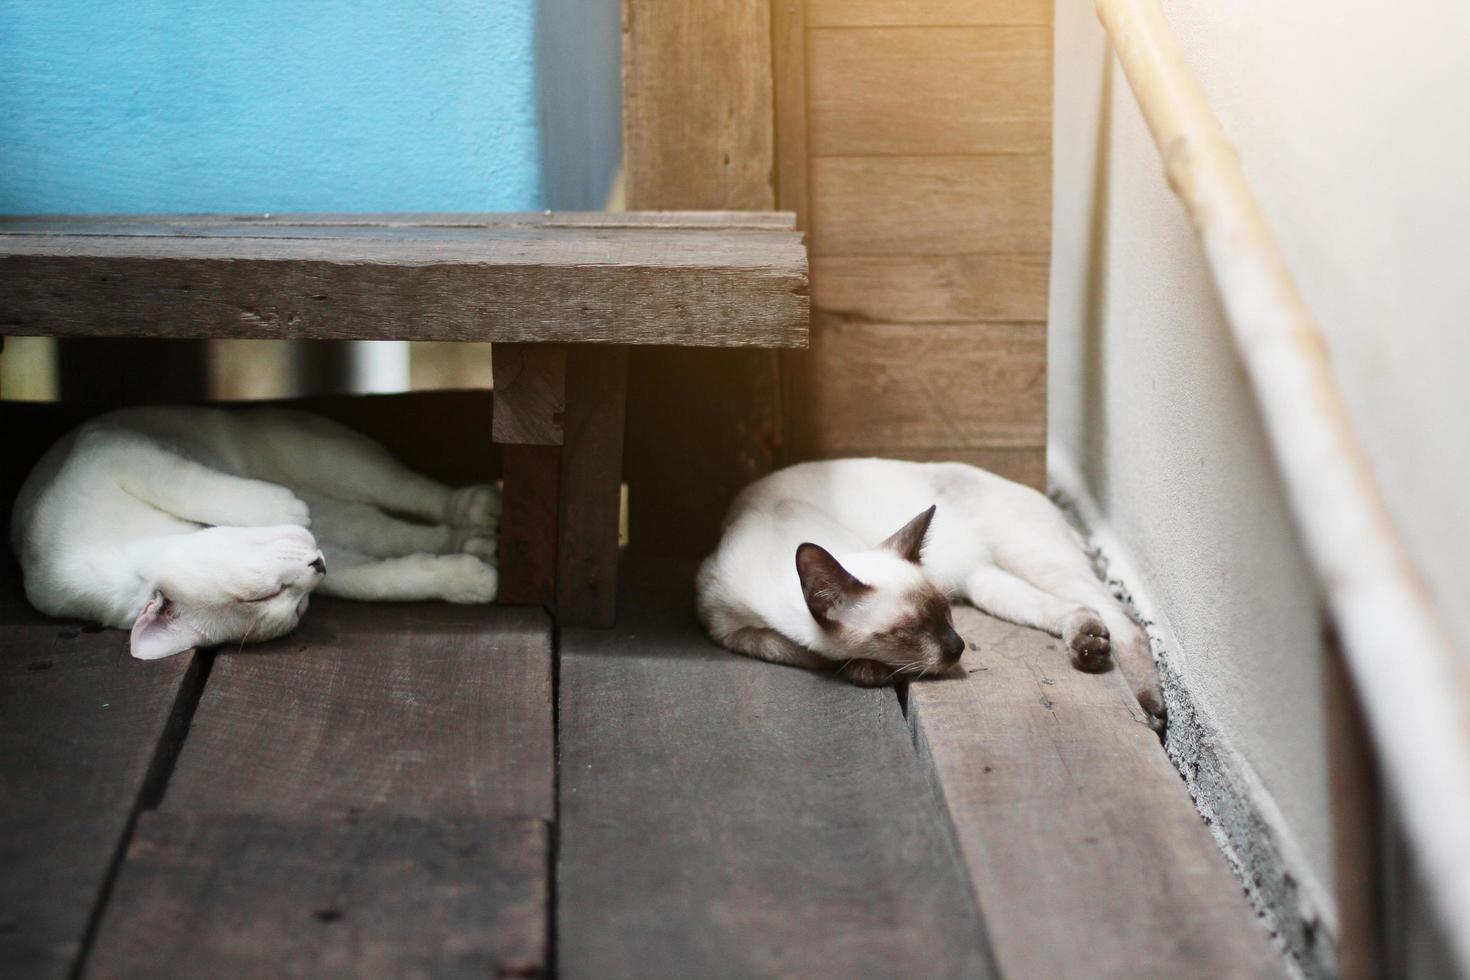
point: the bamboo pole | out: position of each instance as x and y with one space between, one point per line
1413 684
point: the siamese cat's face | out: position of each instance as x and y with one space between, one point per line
881 617
229 585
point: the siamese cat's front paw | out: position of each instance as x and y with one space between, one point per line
477 506
269 505
466 579
867 673
1087 640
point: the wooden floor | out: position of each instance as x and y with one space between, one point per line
378 794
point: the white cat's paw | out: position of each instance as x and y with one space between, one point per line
482 546
466 579
477 506
271 506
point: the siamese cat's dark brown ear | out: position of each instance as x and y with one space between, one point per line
908 540
825 584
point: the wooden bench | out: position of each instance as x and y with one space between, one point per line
561 295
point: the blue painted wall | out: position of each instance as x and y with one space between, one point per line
268 105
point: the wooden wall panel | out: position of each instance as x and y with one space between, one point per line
878 13
930 205
930 90
922 129
926 386
933 288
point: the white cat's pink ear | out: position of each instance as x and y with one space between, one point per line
908 540
157 633
825 584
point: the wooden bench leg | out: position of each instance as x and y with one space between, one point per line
591 480
530 403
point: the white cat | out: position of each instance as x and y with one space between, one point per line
189 526
804 575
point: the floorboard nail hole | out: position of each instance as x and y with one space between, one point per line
327 915
39 665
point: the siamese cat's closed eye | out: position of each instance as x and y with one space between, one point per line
850 564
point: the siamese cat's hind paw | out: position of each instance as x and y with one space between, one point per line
1151 699
477 506
1087 640
867 673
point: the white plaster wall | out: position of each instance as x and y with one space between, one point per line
1353 123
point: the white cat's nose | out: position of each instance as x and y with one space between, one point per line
320 564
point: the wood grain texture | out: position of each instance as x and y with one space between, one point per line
1083 847
528 523
697 124
530 393
427 710
933 288
908 13
722 816
930 90
698 131
702 424
788 56
696 285
85 732
591 480
372 896
923 386
324 224
1024 464
923 205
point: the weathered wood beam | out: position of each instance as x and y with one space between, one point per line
698 132
688 280
591 481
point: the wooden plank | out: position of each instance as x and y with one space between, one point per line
528 522
930 205
591 480
1024 464
889 13
698 131
86 733
933 288
695 286
530 393
702 424
722 816
429 710
918 386
930 90
372 896
1083 847
302 221
697 125
788 56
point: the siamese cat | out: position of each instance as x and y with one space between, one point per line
825 565
197 526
